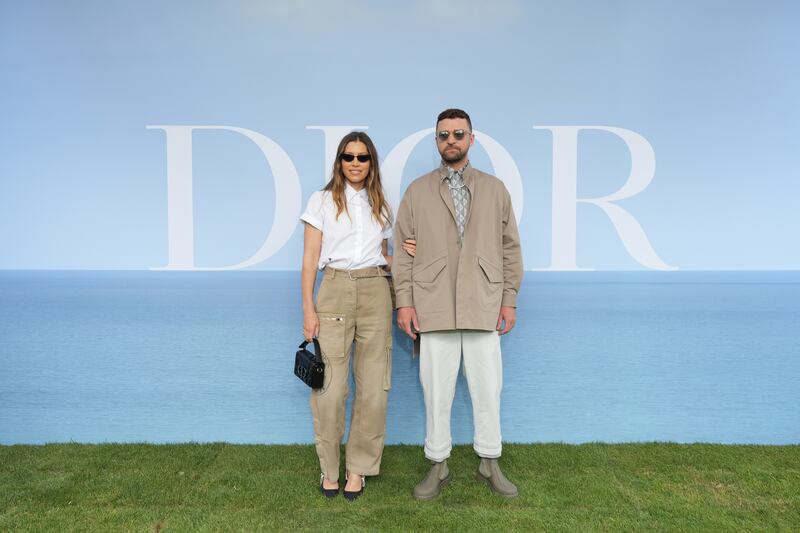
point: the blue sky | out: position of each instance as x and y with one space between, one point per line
712 86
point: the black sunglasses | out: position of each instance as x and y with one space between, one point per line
363 158
458 134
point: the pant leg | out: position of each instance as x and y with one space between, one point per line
372 367
439 360
484 369
336 330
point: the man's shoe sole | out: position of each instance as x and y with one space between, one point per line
442 483
481 477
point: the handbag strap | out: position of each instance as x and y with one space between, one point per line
317 349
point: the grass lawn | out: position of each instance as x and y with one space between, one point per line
226 487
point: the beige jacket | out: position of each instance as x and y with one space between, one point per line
452 287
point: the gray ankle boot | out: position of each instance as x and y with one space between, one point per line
430 487
489 472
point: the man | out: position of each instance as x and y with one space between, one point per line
459 292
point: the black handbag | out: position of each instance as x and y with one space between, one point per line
309 366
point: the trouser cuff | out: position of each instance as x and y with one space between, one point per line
361 471
489 452
439 455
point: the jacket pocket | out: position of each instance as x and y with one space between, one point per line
491 285
429 272
331 334
431 287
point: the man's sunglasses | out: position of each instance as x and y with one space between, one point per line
363 158
458 134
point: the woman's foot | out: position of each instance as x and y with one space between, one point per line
354 486
327 487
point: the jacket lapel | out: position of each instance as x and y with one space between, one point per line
444 192
470 176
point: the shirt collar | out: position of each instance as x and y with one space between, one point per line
351 193
445 170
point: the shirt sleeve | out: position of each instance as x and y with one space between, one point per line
314 210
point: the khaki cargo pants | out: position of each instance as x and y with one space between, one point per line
353 306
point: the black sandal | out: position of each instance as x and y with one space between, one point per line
328 493
353 495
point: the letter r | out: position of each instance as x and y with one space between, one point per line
565 200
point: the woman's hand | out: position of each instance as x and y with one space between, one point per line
410 246
310 325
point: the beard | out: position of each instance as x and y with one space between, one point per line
450 157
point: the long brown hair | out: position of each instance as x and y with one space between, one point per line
380 207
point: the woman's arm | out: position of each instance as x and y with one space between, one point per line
312 244
385 253
409 245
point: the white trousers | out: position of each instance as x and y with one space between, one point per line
440 359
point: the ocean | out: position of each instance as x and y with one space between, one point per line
135 356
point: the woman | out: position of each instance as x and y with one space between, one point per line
347 227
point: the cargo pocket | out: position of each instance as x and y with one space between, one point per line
387 372
331 334
331 342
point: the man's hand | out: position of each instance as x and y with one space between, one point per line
407 321
508 315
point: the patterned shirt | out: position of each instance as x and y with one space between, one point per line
461 197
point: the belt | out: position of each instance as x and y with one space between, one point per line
369 272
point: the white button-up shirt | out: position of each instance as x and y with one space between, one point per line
350 242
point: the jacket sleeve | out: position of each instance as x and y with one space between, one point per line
402 262
512 254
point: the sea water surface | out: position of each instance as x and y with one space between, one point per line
97 356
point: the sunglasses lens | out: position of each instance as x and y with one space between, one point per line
349 157
444 135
